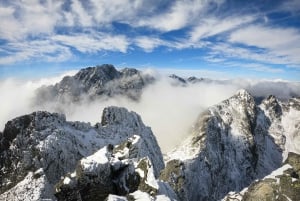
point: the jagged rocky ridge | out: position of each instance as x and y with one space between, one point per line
40 148
259 89
233 144
94 82
194 80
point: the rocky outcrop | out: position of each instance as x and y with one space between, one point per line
116 120
194 80
282 184
174 175
95 82
294 160
34 186
113 170
47 142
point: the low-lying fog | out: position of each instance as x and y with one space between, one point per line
169 109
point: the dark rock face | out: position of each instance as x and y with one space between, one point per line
269 136
178 79
14 127
18 146
94 82
195 80
94 183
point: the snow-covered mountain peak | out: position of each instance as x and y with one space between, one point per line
235 116
238 111
242 93
241 100
242 96
231 144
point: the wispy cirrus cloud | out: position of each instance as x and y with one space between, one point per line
179 15
214 26
79 15
254 66
148 44
266 37
93 42
40 50
20 19
290 6
282 44
229 51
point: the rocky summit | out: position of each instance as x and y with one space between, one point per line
95 82
118 156
237 150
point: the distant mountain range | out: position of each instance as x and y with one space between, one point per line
106 81
239 149
93 82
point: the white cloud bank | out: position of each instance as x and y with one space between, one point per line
168 109
17 96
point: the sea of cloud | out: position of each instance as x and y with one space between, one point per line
168 108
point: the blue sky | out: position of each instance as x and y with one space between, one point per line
225 39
